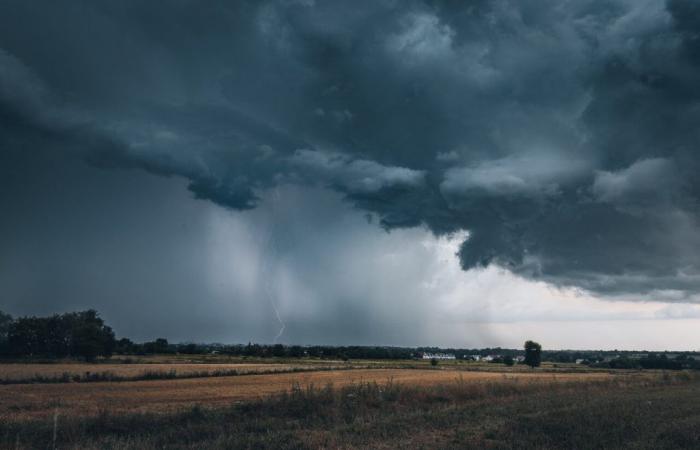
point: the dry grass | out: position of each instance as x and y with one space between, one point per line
26 401
196 366
15 372
650 411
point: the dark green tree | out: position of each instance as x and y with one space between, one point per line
296 351
88 336
5 323
83 334
190 349
278 350
27 336
533 353
125 346
161 345
87 342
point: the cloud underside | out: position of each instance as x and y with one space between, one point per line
562 136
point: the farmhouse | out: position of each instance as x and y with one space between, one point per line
438 356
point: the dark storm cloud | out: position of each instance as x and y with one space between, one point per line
562 135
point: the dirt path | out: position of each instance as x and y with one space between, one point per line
41 400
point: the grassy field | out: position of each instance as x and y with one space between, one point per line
23 401
189 366
18 373
402 363
651 410
312 403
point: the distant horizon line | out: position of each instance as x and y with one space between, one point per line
419 347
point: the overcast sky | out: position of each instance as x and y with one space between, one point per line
383 172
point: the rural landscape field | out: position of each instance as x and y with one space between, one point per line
42 400
341 224
67 382
336 404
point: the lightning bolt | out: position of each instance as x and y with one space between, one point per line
270 245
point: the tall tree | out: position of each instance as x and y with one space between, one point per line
533 353
90 337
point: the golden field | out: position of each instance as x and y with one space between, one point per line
26 401
22 371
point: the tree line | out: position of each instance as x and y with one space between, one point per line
82 334
77 334
85 335
651 361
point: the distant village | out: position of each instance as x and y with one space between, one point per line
487 358
603 359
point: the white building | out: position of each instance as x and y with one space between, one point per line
438 356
